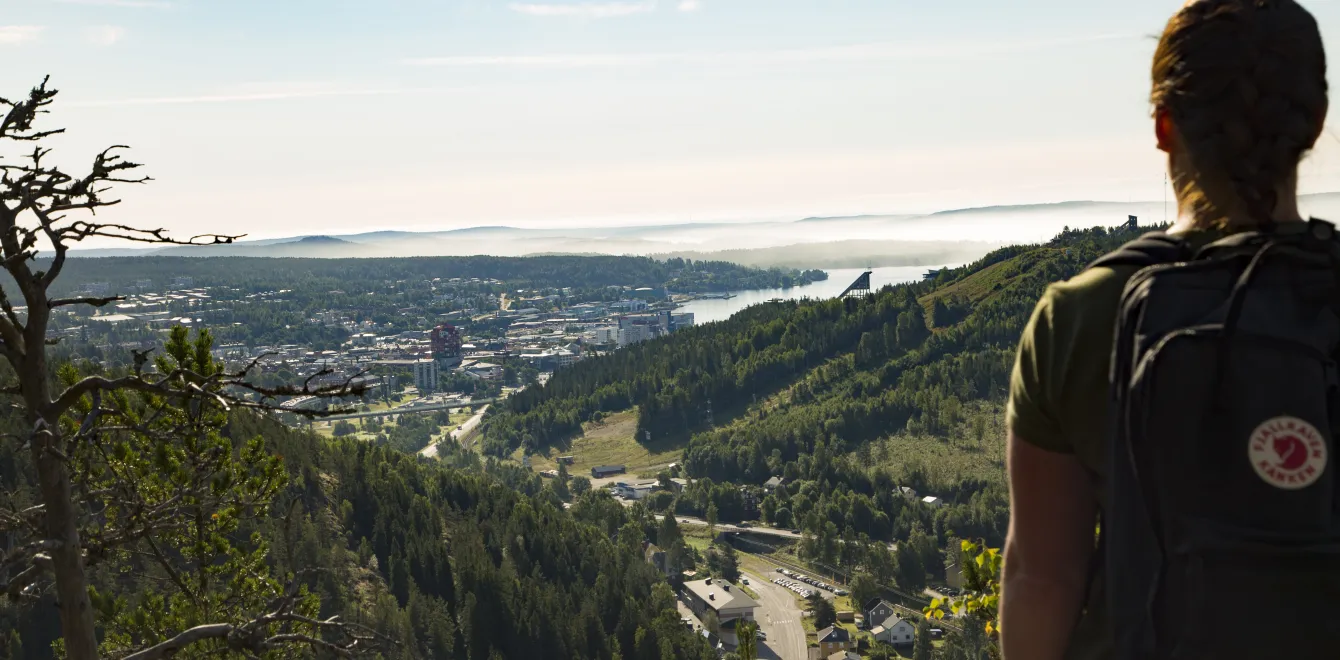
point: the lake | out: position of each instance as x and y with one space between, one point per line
709 310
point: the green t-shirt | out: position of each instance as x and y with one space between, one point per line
1059 397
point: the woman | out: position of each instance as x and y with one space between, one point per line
1239 96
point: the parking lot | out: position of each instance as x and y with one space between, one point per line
805 586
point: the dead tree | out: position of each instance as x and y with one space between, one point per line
88 507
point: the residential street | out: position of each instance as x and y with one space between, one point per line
779 617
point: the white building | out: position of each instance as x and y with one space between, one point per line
633 334
484 371
730 604
425 376
605 334
681 320
565 357
894 630
636 490
932 501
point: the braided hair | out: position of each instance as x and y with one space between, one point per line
1244 83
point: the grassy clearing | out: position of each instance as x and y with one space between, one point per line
948 460
609 442
327 428
987 282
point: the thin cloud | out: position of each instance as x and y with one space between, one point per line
690 5
251 97
130 4
556 61
585 9
104 35
872 52
14 35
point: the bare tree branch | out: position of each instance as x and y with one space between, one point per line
95 302
168 648
93 505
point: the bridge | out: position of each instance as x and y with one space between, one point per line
409 410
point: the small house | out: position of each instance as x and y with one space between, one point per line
876 611
895 630
834 640
601 471
932 501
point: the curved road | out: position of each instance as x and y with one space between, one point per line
456 434
778 617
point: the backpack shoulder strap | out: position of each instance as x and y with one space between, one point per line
1155 247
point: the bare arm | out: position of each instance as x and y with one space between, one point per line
1047 551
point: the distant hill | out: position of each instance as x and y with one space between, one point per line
842 218
811 242
1024 208
849 254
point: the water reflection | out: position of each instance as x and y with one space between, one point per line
709 310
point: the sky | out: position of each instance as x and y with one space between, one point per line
284 117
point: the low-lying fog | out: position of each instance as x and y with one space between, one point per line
842 242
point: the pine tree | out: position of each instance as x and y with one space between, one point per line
925 646
400 579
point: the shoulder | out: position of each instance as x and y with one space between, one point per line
1095 288
1063 353
1083 304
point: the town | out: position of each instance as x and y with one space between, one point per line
416 358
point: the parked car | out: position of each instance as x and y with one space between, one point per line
745 580
762 635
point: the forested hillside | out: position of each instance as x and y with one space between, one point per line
317 276
848 399
479 564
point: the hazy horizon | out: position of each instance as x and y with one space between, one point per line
951 236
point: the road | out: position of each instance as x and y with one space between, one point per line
408 409
726 527
469 425
467 429
778 617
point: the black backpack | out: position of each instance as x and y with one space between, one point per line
1221 535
